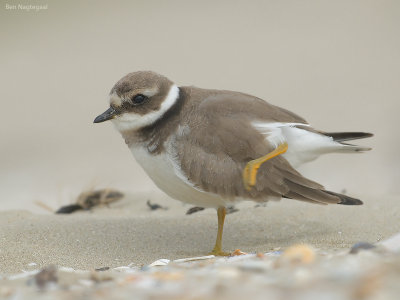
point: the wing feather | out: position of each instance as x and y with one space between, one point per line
221 140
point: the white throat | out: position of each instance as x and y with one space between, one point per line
132 121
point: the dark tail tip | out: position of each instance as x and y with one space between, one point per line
347 136
350 201
346 200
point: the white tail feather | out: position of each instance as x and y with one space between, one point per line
303 145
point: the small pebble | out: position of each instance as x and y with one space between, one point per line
102 269
100 277
303 254
260 255
361 246
238 252
46 276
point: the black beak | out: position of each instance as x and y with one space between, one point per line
105 116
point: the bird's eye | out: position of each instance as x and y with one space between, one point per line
138 99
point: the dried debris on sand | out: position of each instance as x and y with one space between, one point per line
155 206
229 210
89 199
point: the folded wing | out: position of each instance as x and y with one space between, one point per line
214 150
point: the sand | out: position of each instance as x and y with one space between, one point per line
128 232
295 251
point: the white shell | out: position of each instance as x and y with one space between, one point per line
160 262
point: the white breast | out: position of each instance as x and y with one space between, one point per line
168 177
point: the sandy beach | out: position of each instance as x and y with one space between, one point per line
128 232
128 249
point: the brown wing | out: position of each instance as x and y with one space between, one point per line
220 142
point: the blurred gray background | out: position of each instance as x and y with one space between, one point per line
336 63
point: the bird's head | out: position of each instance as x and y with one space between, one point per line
138 100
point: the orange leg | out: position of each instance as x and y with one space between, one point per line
251 169
217 251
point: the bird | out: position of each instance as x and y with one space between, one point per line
215 148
